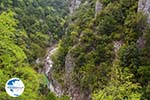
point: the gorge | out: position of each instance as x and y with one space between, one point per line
76 49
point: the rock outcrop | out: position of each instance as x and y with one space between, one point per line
74 5
72 90
140 42
117 45
69 66
144 7
98 7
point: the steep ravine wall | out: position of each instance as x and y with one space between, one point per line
74 4
72 90
144 7
98 7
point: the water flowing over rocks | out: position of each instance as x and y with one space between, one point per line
53 85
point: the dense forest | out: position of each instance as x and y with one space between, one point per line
101 49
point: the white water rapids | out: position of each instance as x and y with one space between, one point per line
53 85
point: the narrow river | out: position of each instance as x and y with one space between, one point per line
53 85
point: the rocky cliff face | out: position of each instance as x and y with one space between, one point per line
69 66
98 7
144 7
72 90
74 4
117 46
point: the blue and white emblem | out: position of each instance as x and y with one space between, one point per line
14 87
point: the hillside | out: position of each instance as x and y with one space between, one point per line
76 49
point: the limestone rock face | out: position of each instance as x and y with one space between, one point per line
117 45
140 42
72 90
69 67
74 5
144 7
98 7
